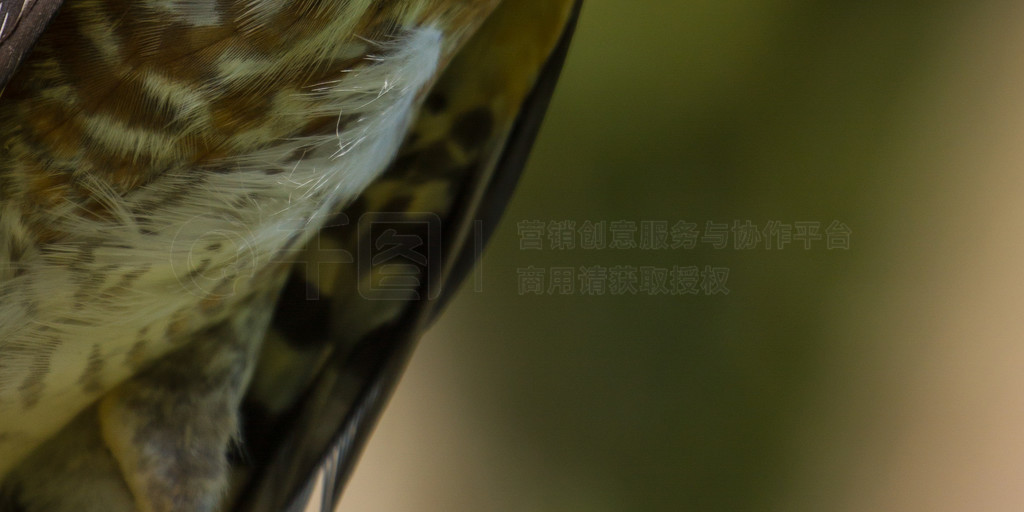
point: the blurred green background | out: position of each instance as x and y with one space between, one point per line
825 379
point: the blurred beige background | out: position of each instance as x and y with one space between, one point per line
886 377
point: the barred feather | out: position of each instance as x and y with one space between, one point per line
164 163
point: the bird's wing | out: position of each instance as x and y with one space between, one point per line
342 333
352 311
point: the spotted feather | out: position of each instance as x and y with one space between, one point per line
165 162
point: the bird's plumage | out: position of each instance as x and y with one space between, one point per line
171 165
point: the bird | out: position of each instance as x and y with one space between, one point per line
224 225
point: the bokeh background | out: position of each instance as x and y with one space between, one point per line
887 377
